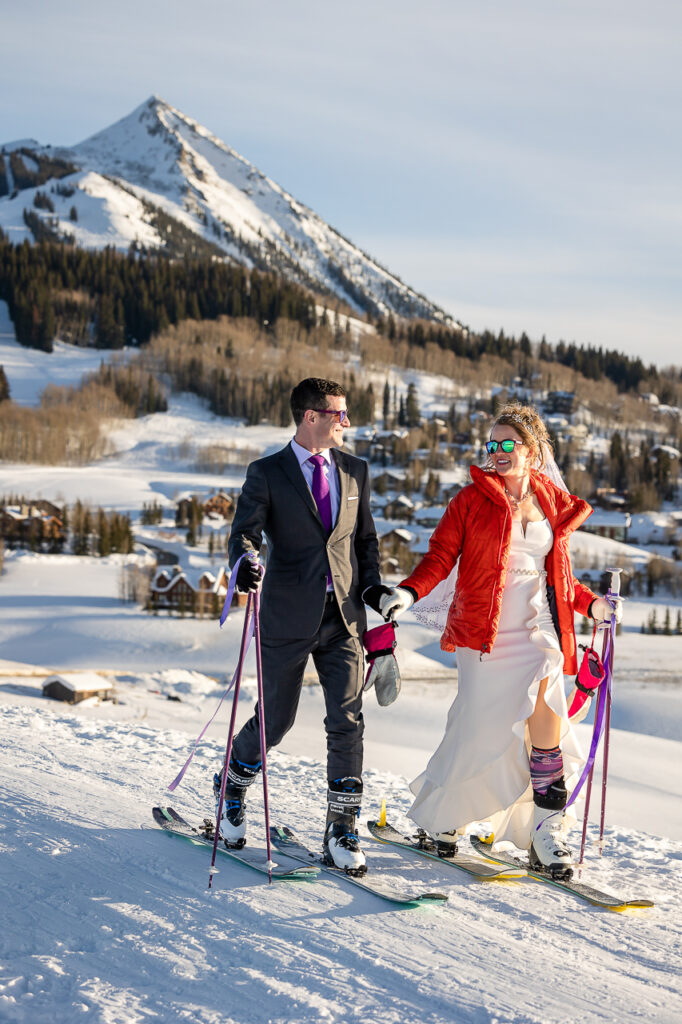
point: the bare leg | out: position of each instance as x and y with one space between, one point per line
544 724
548 851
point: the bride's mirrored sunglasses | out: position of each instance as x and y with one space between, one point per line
507 445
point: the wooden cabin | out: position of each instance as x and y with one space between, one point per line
73 687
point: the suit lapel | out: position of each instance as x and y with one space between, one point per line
342 472
294 474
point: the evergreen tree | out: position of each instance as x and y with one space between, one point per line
412 413
617 462
4 386
103 534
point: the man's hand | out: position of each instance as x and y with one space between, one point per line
373 595
397 601
601 609
248 576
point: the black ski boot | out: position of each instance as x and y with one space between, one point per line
341 847
233 817
548 850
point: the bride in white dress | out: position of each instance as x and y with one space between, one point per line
509 755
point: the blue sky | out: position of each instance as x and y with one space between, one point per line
520 163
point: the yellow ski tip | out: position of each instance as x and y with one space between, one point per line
382 814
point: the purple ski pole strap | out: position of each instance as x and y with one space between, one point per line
248 625
230 591
599 719
178 778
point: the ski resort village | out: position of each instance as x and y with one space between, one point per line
160 297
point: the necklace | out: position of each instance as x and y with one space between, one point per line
516 502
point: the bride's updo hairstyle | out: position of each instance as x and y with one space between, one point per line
528 424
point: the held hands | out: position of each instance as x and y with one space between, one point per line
374 595
248 576
395 602
601 609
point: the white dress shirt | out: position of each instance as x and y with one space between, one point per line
329 469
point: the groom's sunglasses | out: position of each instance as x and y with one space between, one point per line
507 446
341 413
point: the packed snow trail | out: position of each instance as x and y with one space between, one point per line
107 921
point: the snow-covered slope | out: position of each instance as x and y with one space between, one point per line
158 178
106 921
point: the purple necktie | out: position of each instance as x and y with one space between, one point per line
321 491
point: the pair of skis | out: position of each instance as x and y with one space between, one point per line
296 861
508 867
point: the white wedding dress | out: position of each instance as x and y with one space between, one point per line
480 772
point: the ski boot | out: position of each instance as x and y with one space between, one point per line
548 850
340 847
233 817
446 843
442 843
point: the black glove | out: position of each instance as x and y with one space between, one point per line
372 596
248 576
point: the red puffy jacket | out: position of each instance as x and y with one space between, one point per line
477 527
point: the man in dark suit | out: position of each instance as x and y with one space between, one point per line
311 502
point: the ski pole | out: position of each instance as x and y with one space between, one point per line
605 769
588 794
230 736
613 593
261 729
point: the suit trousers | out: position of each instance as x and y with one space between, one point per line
338 659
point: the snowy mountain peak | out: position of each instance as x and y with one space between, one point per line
159 179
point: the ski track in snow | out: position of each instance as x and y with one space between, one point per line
111 922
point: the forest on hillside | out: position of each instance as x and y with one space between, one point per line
110 299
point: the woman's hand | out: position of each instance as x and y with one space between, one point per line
601 609
397 601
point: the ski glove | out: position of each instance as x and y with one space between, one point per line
397 601
602 610
383 672
248 576
373 595
590 677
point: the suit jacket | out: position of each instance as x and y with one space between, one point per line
276 502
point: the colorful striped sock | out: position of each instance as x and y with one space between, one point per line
546 767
